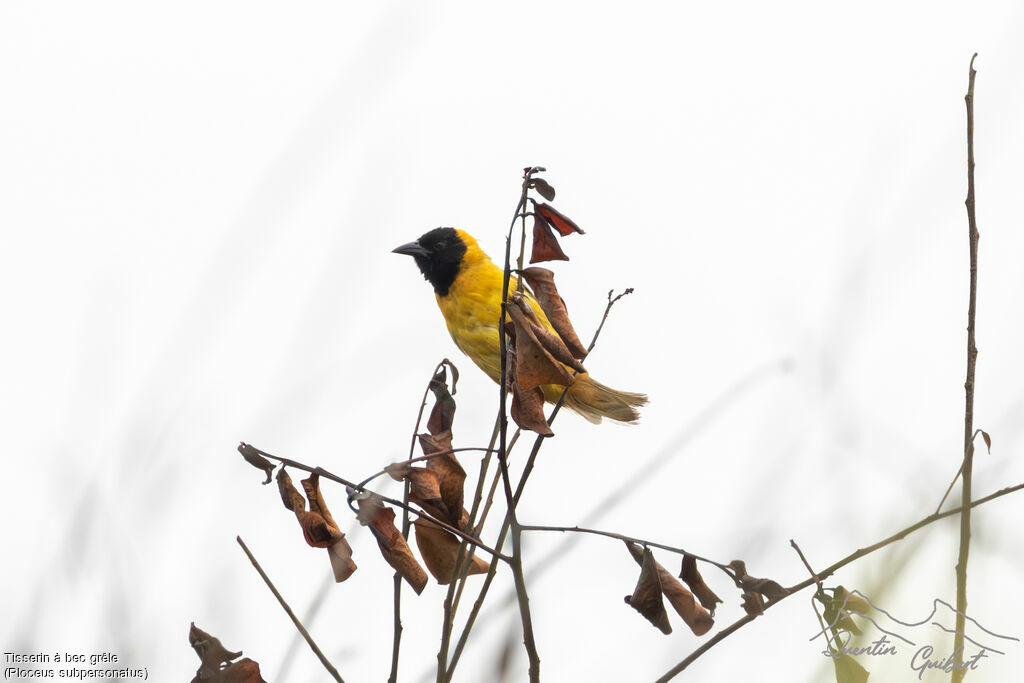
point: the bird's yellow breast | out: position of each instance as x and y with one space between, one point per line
472 308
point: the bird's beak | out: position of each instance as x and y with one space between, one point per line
411 249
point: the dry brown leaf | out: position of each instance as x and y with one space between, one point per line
318 526
341 559
692 612
393 546
242 671
545 244
535 365
544 188
318 506
752 603
682 600
319 531
551 342
985 436
443 413
767 588
542 282
290 495
450 475
397 470
424 489
695 581
646 597
440 549
216 665
253 457
209 648
527 409
563 224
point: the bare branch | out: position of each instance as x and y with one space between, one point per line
288 610
972 358
397 503
899 535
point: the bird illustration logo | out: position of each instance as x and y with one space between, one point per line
467 285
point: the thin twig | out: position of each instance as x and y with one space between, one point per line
821 592
824 574
396 640
607 310
631 539
972 358
956 476
288 610
455 588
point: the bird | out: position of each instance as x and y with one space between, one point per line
467 286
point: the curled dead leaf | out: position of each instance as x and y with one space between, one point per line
439 550
682 600
545 244
209 648
318 525
535 365
340 555
253 457
527 409
752 603
542 282
646 597
552 343
290 496
424 488
767 588
451 477
216 665
695 581
393 547
442 415
562 223
987 438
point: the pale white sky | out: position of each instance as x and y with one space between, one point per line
198 203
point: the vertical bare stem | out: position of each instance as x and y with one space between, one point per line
972 357
451 600
517 560
396 641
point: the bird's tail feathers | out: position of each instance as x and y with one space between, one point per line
593 401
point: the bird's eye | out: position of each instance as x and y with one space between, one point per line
439 246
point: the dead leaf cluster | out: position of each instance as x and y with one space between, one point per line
216 661
655 581
757 593
539 354
439 488
318 526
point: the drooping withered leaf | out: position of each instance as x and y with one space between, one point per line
542 282
545 244
253 457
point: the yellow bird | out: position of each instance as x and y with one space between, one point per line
467 285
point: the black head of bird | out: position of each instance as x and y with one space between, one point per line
438 254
